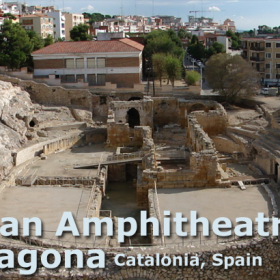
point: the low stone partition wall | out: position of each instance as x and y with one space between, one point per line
94 203
197 139
60 144
78 182
48 146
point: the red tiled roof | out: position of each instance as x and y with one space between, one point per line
123 45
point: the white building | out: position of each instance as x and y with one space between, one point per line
58 24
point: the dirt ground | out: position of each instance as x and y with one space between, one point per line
213 203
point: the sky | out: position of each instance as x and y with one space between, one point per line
247 14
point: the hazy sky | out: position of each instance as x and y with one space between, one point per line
247 14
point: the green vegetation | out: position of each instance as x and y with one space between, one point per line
215 49
173 68
80 33
166 42
165 51
15 45
232 77
198 51
235 39
48 40
183 34
94 17
159 65
192 77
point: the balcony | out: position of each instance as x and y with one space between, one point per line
257 59
261 70
260 49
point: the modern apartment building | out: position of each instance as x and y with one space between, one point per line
72 20
58 24
94 62
42 24
264 55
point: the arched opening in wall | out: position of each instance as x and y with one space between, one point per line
133 117
133 98
197 107
253 152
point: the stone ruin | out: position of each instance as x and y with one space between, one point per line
175 143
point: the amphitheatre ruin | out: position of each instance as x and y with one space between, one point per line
114 154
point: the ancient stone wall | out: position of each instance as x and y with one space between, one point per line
118 131
268 249
144 108
53 95
165 111
197 139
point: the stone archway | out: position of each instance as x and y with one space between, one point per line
197 107
133 117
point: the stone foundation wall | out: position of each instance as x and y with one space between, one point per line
267 249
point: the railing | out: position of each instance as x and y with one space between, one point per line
90 200
157 211
257 48
256 58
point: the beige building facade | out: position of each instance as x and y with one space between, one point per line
264 55
72 20
40 23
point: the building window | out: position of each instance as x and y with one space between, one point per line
267 66
277 55
267 55
267 76
101 79
277 45
68 78
100 62
277 66
91 63
80 63
69 63
277 76
80 78
268 45
54 25
91 79
62 25
27 21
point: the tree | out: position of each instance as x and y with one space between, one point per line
9 15
15 45
48 40
194 39
231 76
214 49
80 32
182 33
173 68
197 50
37 43
235 39
159 41
36 40
192 77
159 66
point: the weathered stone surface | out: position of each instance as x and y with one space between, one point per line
16 109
